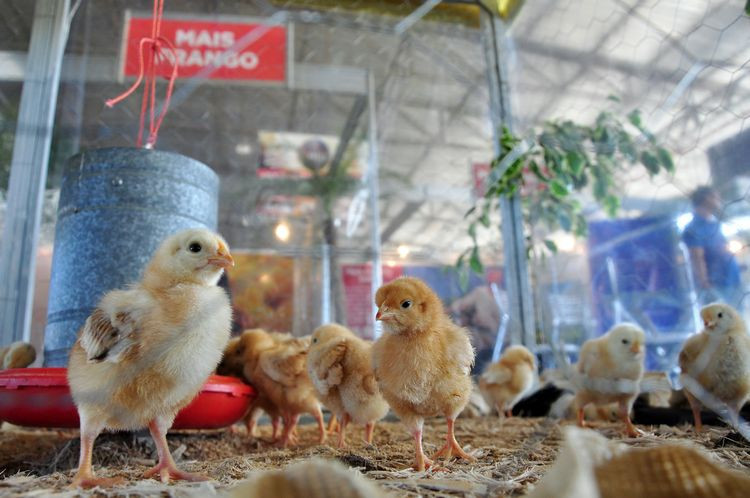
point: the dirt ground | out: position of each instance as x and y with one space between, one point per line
511 455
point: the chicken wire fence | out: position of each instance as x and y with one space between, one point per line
682 64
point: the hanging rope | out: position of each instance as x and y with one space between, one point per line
150 52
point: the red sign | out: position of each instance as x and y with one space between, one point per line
359 299
204 44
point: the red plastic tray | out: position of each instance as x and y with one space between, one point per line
40 397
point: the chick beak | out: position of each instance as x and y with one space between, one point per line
378 315
223 258
636 348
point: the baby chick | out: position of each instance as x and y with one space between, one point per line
422 361
717 360
340 366
240 359
145 351
611 366
506 382
280 374
18 355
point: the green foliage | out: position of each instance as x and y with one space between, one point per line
565 158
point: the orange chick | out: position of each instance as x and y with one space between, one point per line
280 374
716 361
610 369
241 356
145 351
507 381
422 361
18 355
340 366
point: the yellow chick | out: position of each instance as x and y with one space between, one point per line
422 361
610 368
18 355
506 382
314 478
240 359
281 375
145 351
717 360
340 366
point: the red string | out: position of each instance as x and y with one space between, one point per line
152 50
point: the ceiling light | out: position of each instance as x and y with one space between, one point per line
734 246
243 149
403 251
282 231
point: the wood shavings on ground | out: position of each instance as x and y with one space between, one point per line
512 454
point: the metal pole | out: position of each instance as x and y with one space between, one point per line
28 173
373 167
520 299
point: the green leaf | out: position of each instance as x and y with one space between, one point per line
474 262
557 188
471 210
473 231
635 118
575 161
564 220
550 245
650 161
613 98
665 158
485 220
611 205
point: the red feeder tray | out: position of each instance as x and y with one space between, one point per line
40 397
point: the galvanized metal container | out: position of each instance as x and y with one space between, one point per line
116 206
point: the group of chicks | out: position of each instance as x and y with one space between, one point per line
715 365
419 368
145 351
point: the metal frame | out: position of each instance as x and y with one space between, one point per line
28 176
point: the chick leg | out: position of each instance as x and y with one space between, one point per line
342 429
251 420
166 468
332 424
369 429
630 429
695 406
452 448
84 477
290 422
275 420
321 426
421 462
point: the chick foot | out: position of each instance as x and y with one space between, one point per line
452 448
89 481
167 471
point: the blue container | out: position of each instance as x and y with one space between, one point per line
116 206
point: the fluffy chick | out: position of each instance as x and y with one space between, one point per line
422 361
340 366
18 355
611 366
240 359
280 374
508 380
313 478
718 361
145 351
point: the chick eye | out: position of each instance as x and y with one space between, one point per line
624 341
195 247
406 304
315 340
721 314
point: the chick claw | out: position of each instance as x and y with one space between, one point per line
452 449
87 482
167 471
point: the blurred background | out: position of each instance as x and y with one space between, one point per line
361 132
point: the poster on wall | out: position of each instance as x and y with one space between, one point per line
297 155
358 289
262 290
234 48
